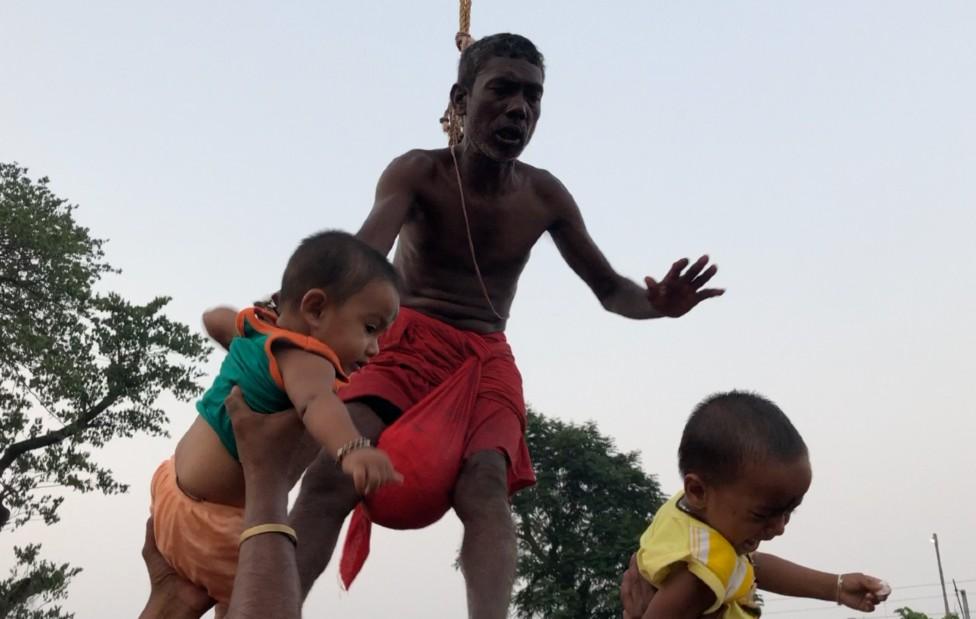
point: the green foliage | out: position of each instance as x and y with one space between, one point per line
33 586
78 368
579 525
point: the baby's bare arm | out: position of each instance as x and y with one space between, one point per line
785 578
308 382
221 325
854 590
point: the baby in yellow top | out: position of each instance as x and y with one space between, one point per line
745 469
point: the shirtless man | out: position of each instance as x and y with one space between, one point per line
510 205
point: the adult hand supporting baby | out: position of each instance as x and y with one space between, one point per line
266 584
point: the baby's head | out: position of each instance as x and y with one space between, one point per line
745 467
342 292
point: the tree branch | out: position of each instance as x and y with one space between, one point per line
56 436
45 440
530 539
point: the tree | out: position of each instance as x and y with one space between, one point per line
33 585
908 613
580 523
78 367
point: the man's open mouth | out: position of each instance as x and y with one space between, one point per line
510 135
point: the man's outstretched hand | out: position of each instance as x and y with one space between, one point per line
682 290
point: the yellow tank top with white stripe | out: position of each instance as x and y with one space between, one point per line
676 537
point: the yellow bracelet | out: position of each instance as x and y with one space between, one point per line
284 529
840 586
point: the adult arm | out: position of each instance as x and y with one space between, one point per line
854 590
266 583
681 596
676 294
393 200
635 592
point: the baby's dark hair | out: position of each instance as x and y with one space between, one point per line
503 45
338 263
728 431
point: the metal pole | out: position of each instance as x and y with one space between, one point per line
965 605
938 558
958 601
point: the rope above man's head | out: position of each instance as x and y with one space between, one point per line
451 122
463 38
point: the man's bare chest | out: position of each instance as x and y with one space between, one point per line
502 230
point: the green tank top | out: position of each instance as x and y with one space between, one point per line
250 364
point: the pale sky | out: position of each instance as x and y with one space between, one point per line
820 152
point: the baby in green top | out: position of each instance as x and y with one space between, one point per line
337 296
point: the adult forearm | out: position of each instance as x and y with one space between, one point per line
267 583
629 300
785 578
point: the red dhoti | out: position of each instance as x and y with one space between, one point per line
460 393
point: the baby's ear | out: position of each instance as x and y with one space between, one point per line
314 303
695 491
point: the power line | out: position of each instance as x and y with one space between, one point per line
899 588
896 601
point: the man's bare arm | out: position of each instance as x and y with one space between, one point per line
394 198
677 293
616 293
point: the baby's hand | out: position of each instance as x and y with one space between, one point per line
370 468
862 592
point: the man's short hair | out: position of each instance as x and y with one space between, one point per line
338 263
503 45
729 431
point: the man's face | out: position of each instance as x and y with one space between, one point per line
503 107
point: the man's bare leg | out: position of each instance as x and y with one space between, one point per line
170 596
488 551
327 496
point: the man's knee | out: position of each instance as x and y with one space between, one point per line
482 488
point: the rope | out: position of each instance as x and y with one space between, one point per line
451 122
467 227
463 38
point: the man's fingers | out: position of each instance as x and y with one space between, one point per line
702 279
695 269
708 293
675 271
